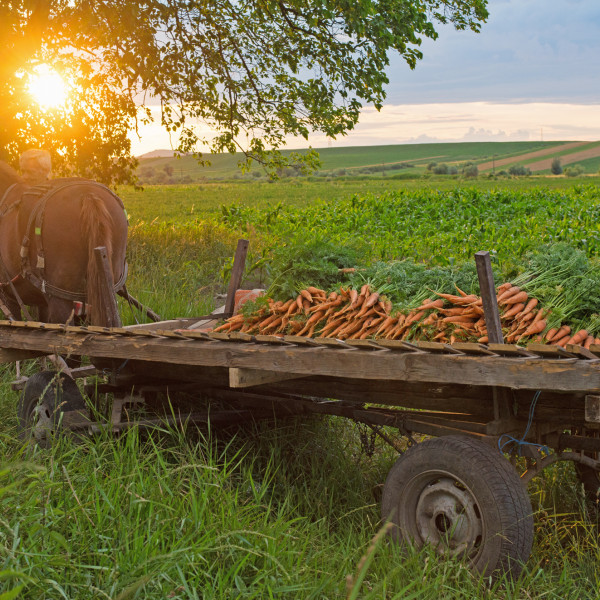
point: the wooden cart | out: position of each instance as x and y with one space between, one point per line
479 403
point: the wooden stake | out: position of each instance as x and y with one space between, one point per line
239 262
488 295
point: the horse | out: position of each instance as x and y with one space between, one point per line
47 236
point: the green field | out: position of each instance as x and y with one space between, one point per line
408 160
280 510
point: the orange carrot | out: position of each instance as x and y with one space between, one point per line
503 287
536 327
515 298
315 291
561 342
514 310
579 337
551 333
565 330
431 304
463 294
483 340
458 319
306 295
588 342
372 299
530 306
508 293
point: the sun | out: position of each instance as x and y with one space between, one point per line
47 87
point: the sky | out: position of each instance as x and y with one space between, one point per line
533 72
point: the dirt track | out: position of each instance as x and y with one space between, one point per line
567 159
530 155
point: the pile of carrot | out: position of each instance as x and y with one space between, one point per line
446 318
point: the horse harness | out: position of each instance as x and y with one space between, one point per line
36 274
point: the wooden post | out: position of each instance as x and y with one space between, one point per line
239 262
108 292
503 409
488 295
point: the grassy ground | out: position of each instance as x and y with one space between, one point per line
278 510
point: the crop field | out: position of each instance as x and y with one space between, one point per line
286 509
403 160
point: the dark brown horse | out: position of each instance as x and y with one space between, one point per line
47 237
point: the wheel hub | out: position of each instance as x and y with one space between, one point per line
448 517
42 423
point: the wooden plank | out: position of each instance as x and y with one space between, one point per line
239 262
549 351
109 299
510 350
581 352
8 355
473 348
488 297
522 373
243 378
436 347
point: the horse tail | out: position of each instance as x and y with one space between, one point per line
96 226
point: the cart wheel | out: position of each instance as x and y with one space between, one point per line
46 395
463 497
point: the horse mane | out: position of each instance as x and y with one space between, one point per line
8 173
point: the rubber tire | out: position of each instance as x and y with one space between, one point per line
54 393
503 509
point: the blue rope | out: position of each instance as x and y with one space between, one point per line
520 443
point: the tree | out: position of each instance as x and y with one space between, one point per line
519 171
254 72
556 167
470 171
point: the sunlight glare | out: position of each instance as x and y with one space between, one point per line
47 87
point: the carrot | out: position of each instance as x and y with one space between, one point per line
365 290
564 330
450 297
588 342
386 323
299 300
353 297
503 287
296 326
306 295
431 319
483 339
536 327
429 304
315 318
508 293
453 312
273 324
514 310
530 306
462 300
372 299
463 294
561 342
315 291
515 298
579 337
527 317
458 319
551 333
